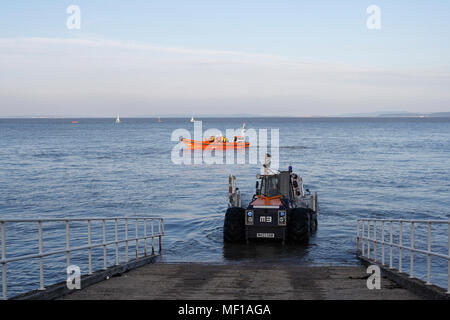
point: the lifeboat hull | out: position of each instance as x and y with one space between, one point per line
202 145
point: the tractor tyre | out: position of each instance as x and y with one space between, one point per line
299 225
313 221
234 226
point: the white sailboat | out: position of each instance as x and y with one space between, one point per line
192 119
117 119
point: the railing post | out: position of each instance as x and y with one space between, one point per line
67 244
41 258
159 232
153 248
363 238
137 250
429 255
400 248
357 236
3 261
126 240
116 238
375 240
368 239
448 260
145 237
390 244
411 252
105 263
90 248
382 242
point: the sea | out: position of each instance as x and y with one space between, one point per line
386 168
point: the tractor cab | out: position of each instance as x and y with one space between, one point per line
268 186
284 184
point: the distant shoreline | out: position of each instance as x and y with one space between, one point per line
233 117
248 116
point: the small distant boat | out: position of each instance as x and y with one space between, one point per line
117 119
159 119
192 119
74 122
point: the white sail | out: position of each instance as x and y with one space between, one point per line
192 119
118 119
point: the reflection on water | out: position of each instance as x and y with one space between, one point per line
265 251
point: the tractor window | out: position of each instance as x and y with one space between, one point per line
270 186
262 186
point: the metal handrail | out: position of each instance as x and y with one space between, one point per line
68 249
365 236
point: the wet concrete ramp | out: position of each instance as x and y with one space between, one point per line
243 281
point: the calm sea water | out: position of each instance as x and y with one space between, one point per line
360 167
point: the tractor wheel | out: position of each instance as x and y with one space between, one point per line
234 226
299 226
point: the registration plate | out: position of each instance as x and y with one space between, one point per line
265 235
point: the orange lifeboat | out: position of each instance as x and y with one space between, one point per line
216 143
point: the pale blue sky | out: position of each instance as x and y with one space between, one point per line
411 52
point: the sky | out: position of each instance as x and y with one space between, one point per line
264 57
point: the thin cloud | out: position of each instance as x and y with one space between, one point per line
103 77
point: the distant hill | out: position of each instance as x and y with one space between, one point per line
440 114
397 114
411 114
